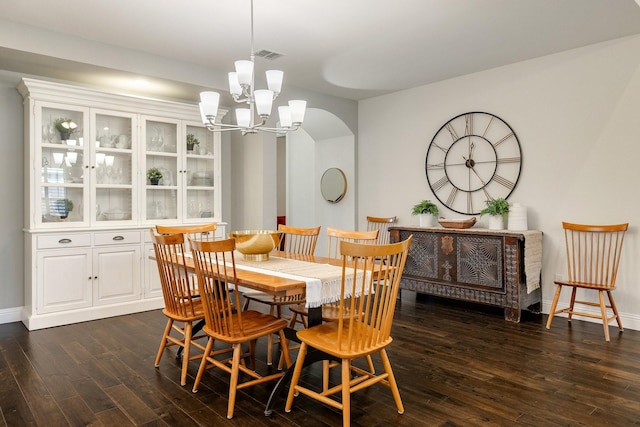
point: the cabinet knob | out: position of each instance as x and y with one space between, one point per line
64 241
118 238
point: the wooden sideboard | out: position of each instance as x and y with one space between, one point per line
476 265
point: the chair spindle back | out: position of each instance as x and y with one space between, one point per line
178 286
299 240
335 236
216 270
382 225
370 282
593 253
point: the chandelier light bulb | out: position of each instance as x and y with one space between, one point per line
285 116
244 69
298 108
243 117
274 80
264 100
209 105
234 84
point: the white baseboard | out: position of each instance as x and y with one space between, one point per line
10 315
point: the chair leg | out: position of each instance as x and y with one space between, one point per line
163 343
233 384
284 349
372 368
203 364
346 392
325 375
603 313
186 353
296 376
612 303
572 303
252 355
392 381
554 304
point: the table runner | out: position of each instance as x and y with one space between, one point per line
323 281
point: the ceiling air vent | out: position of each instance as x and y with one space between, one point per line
267 54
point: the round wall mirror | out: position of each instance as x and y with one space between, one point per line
333 185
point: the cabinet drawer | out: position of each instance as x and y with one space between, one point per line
116 238
53 241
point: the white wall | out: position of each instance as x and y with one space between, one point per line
324 142
11 216
576 115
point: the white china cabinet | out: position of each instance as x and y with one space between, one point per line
89 203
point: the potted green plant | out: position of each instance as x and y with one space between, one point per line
192 141
64 207
65 127
427 212
154 175
497 209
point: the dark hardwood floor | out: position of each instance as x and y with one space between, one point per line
456 365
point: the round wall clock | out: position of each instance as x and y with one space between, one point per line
472 158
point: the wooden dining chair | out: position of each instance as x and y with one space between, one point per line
363 327
330 311
216 269
382 225
182 306
593 256
334 237
295 240
196 231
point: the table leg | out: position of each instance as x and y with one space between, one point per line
313 355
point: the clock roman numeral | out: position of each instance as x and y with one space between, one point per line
444 150
468 127
452 196
503 181
488 126
509 160
440 183
452 131
500 141
435 166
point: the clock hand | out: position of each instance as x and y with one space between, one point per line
481 180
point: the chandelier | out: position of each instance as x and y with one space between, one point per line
259 102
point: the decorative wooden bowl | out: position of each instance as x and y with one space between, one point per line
457 223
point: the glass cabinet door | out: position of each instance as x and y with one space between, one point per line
200 173
62 155
162 169
114 162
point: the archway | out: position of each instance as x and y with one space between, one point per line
323 142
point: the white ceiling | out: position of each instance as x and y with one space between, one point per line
353 49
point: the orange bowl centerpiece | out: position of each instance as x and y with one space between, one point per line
255 245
